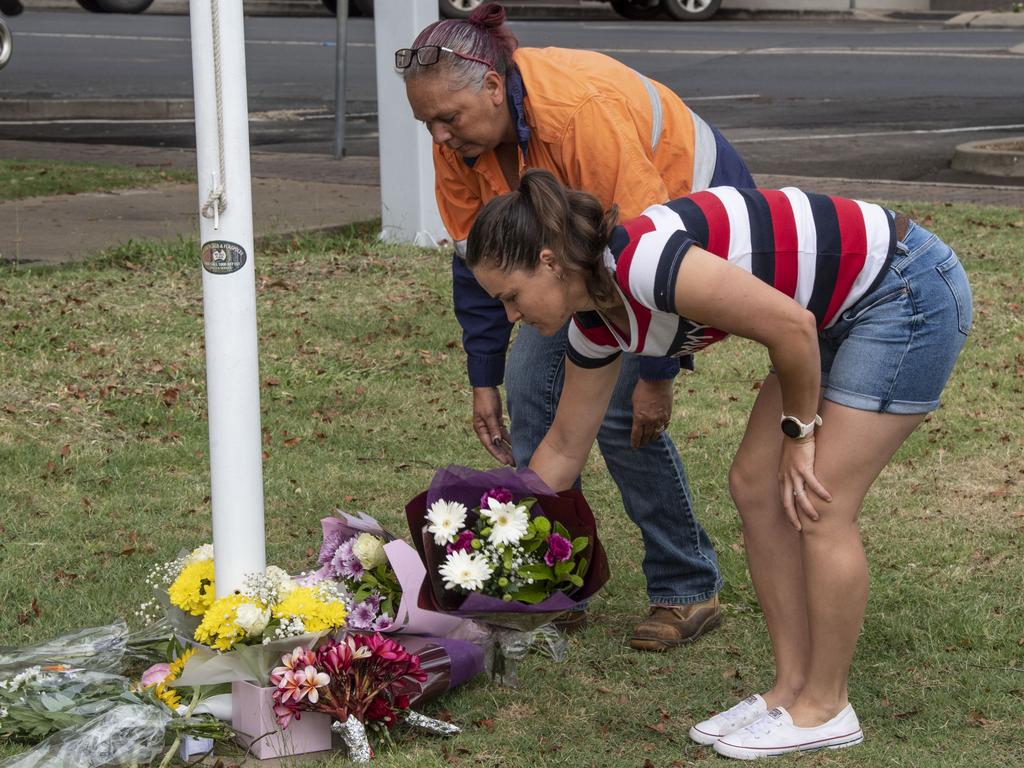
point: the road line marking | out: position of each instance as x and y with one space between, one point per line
951 52
164 39
907 132
732 97
994 53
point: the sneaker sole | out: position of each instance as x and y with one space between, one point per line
745 753
660 646
703 738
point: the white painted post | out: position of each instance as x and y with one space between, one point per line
229 290
408 207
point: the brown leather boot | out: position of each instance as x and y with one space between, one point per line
670 625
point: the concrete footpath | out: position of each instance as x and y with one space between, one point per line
291 193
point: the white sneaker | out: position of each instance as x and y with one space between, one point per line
775 734
747 711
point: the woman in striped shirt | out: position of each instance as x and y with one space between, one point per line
863 314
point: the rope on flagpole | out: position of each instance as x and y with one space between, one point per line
217 200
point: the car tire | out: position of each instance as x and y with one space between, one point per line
458 9
637 10
124 6
91 6
691 10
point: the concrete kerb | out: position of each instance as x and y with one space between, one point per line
988 20
1004 157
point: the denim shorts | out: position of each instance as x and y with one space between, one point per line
894 350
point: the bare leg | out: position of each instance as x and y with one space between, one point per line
851 449
773 546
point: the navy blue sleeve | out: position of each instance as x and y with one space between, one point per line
485 327
661 368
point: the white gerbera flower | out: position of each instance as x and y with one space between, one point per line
465 570
445 519
508 522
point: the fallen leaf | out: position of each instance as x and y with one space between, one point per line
487 723
978 719
270 381
291 442
169 396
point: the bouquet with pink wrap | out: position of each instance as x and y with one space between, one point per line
384 576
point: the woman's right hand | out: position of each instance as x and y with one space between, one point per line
489 424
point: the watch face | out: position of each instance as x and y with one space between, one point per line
790 428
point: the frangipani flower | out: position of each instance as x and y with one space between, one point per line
465 570
445 519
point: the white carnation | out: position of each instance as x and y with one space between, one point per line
199 554
369 549
252 619
445 519
465 570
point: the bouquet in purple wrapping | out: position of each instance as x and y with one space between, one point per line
502 547
381 576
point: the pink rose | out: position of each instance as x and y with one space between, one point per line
155 675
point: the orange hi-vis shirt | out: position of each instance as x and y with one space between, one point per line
598 126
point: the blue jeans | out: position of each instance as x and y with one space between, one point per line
680 564
894 350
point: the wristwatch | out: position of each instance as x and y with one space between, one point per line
793 427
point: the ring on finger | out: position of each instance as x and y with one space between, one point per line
799 492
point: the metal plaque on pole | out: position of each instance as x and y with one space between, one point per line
229 290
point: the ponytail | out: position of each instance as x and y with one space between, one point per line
511 231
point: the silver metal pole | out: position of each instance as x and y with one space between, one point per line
229 290
339 80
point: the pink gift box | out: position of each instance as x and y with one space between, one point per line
252 716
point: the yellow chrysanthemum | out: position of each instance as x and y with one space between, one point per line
163 689
193 591
218 629
316 614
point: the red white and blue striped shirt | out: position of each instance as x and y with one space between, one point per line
824 252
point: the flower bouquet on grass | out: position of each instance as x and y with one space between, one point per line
239 638
503 548
367 683
62 703
242 635
382 576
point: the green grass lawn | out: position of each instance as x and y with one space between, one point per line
31 178
103 449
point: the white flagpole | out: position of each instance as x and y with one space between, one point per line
229 290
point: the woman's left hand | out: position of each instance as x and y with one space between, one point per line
796 477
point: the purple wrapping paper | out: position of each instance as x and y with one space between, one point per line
448 663
467 485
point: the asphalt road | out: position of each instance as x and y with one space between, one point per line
887 100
